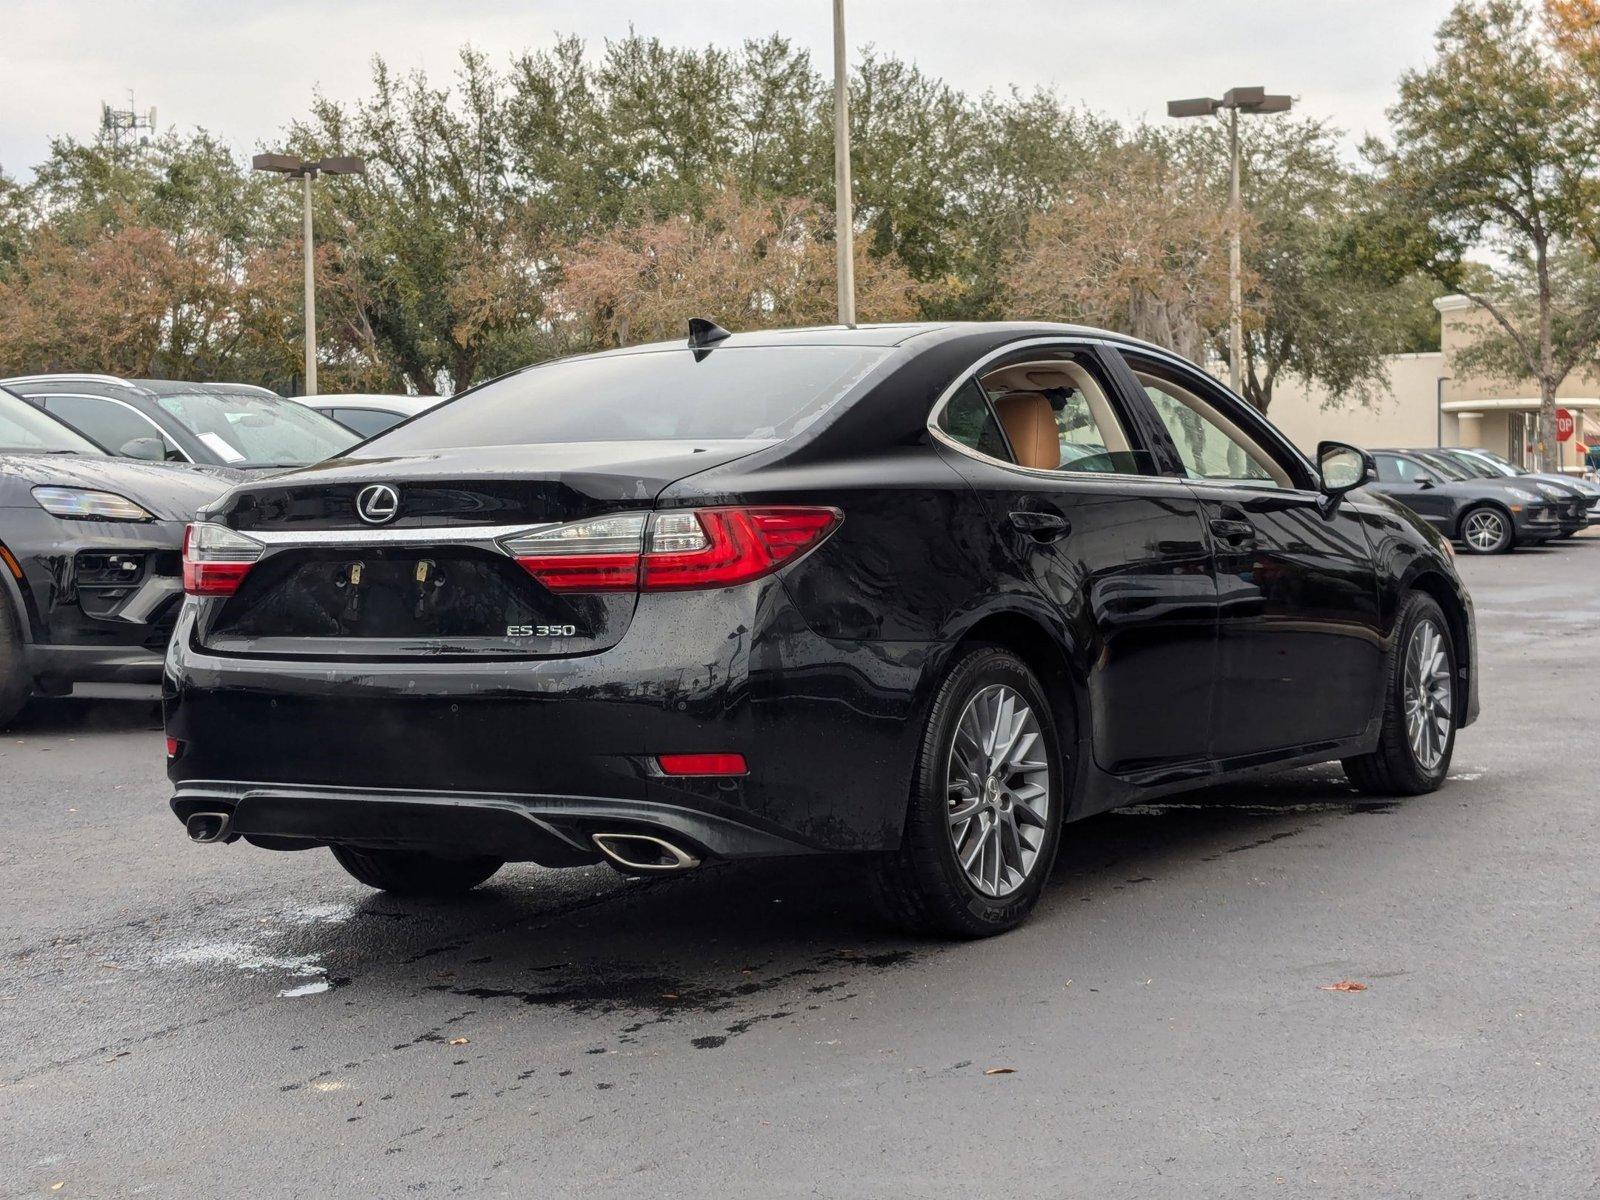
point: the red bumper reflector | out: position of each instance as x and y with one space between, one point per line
174 747
702 764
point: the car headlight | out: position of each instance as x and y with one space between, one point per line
85 504
1519 494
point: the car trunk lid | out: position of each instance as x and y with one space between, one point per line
431 578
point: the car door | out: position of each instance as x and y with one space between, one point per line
1418 488
1300 650
1119 552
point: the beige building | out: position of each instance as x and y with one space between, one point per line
1427 403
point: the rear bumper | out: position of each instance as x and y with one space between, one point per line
554 831
522 753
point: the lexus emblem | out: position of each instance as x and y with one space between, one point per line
377 504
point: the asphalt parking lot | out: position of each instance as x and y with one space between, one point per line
208 1021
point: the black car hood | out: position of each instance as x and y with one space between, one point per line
171 491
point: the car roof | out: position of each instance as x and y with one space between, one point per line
183 387
886 336
94 384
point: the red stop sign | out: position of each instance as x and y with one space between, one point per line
1563 425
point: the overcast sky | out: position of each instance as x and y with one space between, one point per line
243 68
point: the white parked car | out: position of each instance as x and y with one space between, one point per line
369 414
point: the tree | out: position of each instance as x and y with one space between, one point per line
1311 310
1137 246
448 276
1495 147
747 264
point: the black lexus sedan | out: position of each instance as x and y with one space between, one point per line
235 425
89 556
923 594
1487 516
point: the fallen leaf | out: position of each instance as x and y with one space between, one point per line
1344 985
1000 1071
458 1041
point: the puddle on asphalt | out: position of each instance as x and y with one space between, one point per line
652 998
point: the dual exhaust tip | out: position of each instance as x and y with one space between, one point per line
207 827
636 853
643 854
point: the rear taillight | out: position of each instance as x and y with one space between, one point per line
670 551
216 559
601 555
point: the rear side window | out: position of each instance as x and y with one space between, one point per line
732 392
970 421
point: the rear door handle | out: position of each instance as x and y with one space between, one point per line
1041 526
1234 533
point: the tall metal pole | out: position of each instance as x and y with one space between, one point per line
311 295
844 232
1235 286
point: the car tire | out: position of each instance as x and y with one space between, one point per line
1487 529
415 872
924 885
15 685
1403 765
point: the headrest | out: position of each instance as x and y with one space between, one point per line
1030 423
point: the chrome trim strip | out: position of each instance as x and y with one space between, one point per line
418 535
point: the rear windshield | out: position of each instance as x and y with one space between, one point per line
252 430
735 392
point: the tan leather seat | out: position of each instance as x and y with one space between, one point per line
1030 423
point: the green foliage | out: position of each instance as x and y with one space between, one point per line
1496 148
448 261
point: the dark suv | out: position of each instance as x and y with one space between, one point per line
1486 516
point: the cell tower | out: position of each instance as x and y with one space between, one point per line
119 123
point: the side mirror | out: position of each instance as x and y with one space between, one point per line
151 449
1343 468
1425 482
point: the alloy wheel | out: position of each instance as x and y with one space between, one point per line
1428 695
998 790
1485 530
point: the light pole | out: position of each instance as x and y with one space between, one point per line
1235 101
844 217
306 171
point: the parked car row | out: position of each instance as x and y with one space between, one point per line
99 476
1486 503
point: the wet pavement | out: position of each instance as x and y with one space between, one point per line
220 1021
